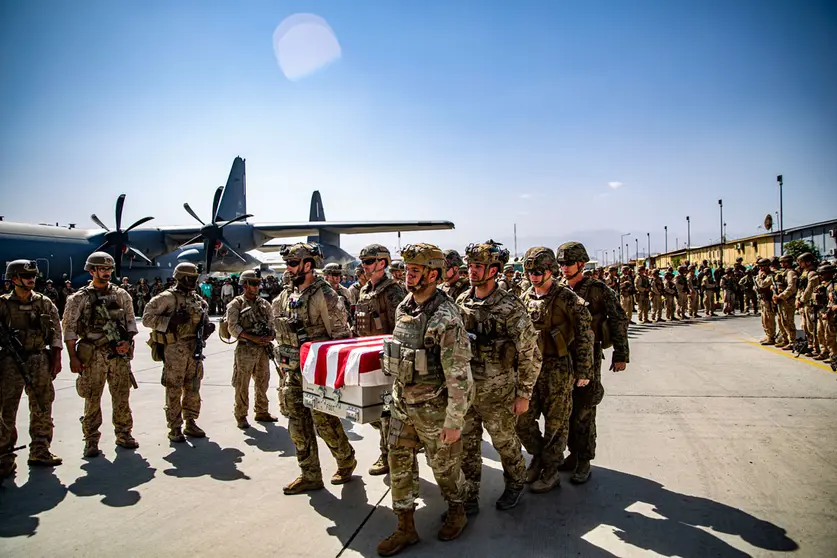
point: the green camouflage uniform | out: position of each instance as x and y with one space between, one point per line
502 335
427 400
456 289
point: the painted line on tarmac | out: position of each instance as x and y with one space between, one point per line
789 354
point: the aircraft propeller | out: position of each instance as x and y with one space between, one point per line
116 241
213 233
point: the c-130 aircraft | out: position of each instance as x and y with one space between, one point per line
220 244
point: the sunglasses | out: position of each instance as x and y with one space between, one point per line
253 282
369 261
535 272
292 263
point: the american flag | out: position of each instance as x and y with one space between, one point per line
344 362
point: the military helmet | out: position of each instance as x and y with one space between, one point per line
626 268
730 270
828 268
641 268
249 277
786 258
571 252
427 255
21 268
539 258
304 251
806 257
332 269
763 262
739 259
463 268
377 251
185 269
611 268
487 253
99 259
508 267
397 266
452 258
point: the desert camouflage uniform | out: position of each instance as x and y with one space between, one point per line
694 290
502 335
670 294
81 323
642 286
682 286
316 314
182 373
657 298
708 284
626 290
353 292
786 285
456 289
808 284
764 288
747 289
251 360
38 329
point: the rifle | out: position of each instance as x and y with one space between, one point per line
201 335
115 333
11 345
12 451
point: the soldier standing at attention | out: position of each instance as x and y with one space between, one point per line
610 328
502 336
728 285
432 391
309 311
250 321
354 288
565 340
32 318
396 270
670 294
332 274
626 290
785 285
765 289
682 285
808 283
656 296
453 285
642 286
694 290
708 286
91 313
175 317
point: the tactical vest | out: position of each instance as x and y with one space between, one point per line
94 321
591 291
297 320
552 320
803 281
411 356
191 304
255 318
371 311
780 279
30 321
493 351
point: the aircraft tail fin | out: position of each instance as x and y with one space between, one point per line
317 213
234 200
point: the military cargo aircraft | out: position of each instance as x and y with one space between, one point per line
220 243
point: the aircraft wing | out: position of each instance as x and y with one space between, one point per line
282 230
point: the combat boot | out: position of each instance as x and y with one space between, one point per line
767 341
242 423
568 464
43 458
550 478
380 467
344 474
91 449
265 417
301 484
781 344
127 442
533 472
510 498
582 472
405 535
7 468
472 508
455 522
193 430
176 435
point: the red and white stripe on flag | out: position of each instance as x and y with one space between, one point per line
344 362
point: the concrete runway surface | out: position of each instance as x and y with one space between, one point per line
709 445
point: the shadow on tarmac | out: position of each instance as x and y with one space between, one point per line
612 509
202 456
635 330
115 480
273 439
20 505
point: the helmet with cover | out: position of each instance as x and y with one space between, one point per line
376 251
333 270
452 259
428 256
302 252
21 268
186 274
99 259
539 259
571 252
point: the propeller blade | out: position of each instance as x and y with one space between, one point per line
239 218
215 201
120 203
138 223
117 258
228 247
192 213
102 247
98 222
209 252
136 252
190 241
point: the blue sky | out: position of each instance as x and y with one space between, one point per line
482 113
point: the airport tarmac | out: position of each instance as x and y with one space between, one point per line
709 445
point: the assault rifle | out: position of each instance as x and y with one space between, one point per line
115 333
12 451
11 345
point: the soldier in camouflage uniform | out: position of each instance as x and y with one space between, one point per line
433 388
694 291
565 339
765 289
642 286
354 289
91 312
506 280
809 280
708 286
250 320
332 273
785 285
396 270
610 328
825 299
728 285
375 315
453 285
670 295
656 296
626 292
501 335
682 285
747 288
174 317
312 311
32 318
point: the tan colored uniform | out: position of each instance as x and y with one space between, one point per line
764 289
642 284
657 298
786 282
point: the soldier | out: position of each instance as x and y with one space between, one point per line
453 285
176 317
694 289
30 321
429 358
728 283
670 293
764 288
354 288
375 315
610 328
396 270
785 285
143 296
682 286
565 340
250 320
825 300
656 296
612 279
312 311
809 280
502 339
332 273
626 291
50 292
99 328
747 288
642 286
708 286
506 280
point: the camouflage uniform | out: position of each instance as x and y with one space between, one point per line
747 288
316 314
84 325
765 289
501 335
36 325
459 284
251 359
708 285
694 289
808 282
670 294
626 290
682 286
656 297
728 285
642 286
785 286
825 298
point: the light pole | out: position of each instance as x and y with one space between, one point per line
614 256
721 257
781 219
688 237
621 240
637 249
666 239
649 248
627 254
